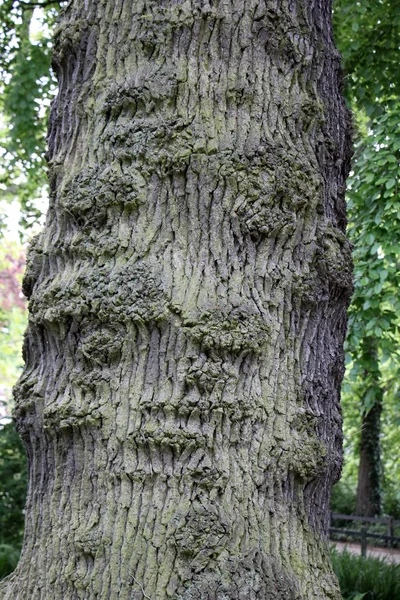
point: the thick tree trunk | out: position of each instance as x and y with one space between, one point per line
180 401
369 491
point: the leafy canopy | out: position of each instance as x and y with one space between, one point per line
26 89
368 36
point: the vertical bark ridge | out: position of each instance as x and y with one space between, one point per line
180 401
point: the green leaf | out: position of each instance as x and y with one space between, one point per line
370 398
390 183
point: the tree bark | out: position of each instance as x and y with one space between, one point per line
180 400
369 490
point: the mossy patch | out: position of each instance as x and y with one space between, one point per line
234 332
129 293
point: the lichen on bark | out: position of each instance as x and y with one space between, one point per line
180 400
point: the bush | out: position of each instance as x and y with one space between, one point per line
366 578
391 500
343 499
9 556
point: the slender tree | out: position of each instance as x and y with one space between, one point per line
180 400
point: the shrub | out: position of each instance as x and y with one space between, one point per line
343 499
366 578
391 500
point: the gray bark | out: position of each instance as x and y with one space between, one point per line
180 400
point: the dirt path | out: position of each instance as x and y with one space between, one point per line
375 552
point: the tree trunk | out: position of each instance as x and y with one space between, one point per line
180 401
369 491
369 495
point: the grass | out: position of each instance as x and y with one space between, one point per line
366 578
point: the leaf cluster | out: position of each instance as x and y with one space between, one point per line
374 211
368 36
26 89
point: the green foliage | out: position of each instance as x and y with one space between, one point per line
391 505
12 329
367 578
26 88
9 556
373 339
13 482
368 36
374 207
13 315
343 498
13 475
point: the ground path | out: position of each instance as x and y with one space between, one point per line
372 551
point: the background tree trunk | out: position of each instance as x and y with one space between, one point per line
369 490
369 495
180 401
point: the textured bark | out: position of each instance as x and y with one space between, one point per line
369 491
180 401
369 494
